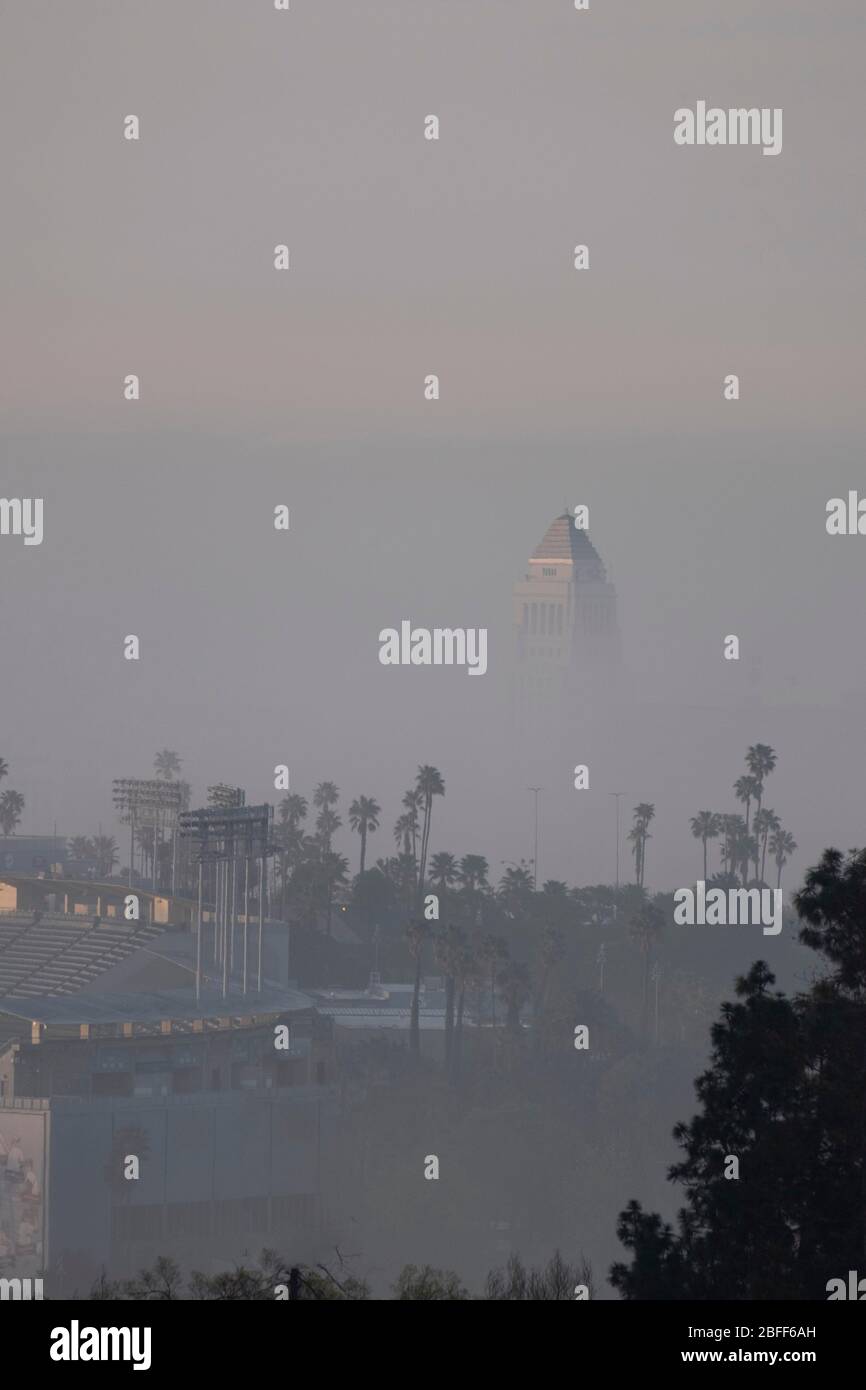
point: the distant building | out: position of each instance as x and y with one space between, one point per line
385 1010
33 854
565 624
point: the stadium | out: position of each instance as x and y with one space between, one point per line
157 1039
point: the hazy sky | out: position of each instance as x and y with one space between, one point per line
410 257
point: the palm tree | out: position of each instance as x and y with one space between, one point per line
104 848
747 790
325 798
293 809
733 829
555 888
166 764
315 879
766 823
645 812
492 951
705 826
416 936
550 953
472 872
403 833
413 801
516 889
639 834
429 783
81 849
782 846
645 930
744 849
327 824
515 984
290 838
364 814
443 872
335 870
303 889
4 769
326 794
760 760
447 946
635 836
11 808
467 971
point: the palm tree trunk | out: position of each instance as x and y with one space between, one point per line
779 876
415 1015
363 845
644 1024
458 1034
705 859
425 841
449 1021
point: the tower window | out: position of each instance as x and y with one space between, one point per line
548 572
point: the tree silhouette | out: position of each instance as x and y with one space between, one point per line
784 1095
705 826
364 814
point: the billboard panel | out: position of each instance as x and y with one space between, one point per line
22 1188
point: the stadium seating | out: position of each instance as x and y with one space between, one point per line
61 954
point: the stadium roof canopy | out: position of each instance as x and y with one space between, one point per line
168 1005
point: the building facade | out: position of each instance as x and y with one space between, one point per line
225 1121
567 646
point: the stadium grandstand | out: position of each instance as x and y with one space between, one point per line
59 955
59 935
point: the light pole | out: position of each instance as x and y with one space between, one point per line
536 790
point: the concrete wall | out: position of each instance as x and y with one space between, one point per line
213 1170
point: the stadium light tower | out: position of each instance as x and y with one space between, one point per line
141 801
216 832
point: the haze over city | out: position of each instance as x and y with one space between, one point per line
246 268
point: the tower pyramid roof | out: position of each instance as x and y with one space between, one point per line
563 543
